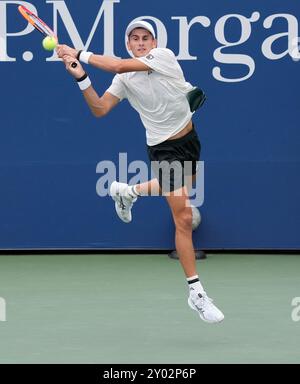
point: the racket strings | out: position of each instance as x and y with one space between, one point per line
36 22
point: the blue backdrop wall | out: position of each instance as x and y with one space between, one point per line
244 55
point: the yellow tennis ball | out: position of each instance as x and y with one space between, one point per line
49 43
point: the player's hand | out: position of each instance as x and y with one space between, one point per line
77 72
64 50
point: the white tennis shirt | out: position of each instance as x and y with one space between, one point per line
159 96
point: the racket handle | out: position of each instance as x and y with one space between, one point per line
74 65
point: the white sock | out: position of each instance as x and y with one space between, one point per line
132 192
195 284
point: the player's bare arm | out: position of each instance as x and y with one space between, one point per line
106 63
114 65
99 106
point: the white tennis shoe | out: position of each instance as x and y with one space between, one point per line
207 311
123 200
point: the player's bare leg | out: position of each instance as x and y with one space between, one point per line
125 196
182 215
152 187
149 188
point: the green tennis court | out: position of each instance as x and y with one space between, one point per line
133 309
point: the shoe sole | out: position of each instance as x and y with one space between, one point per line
119 216
201 316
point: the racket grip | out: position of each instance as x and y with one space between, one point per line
74 65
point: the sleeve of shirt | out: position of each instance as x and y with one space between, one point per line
117 88
162 60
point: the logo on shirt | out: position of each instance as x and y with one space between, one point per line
150 57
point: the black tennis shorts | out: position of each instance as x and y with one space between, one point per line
172 161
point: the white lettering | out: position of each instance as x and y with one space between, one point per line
106 9
3 27
234 58
135 166
296 49
104 182
291 35
114 374
296 311
62 15
184 38
2 309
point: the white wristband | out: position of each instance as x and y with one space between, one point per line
84 84
84 56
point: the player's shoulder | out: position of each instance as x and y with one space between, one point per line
163 52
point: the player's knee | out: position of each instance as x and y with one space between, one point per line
183 220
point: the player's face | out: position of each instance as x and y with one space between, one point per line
141 42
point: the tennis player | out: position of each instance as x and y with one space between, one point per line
154 84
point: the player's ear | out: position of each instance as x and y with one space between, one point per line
154 43
128 44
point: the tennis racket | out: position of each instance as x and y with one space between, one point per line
39 24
